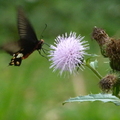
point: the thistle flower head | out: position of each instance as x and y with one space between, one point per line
68 52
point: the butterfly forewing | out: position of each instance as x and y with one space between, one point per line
25 29
28 38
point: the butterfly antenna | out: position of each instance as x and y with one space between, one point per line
43 31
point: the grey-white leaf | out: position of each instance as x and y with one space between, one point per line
95 97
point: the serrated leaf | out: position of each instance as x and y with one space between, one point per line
95 97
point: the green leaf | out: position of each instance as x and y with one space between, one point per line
94 64
95 97
92 56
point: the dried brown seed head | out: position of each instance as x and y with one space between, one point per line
100 36
107 83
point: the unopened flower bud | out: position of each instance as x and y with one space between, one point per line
108 82
100 36
110 47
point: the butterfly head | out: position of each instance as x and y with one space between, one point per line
40 44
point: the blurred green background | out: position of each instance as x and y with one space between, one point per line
32 91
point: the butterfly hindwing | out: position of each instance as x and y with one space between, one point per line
11 47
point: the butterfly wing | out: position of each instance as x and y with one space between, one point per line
11 47
27 34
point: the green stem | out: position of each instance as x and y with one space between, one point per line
116 90
95 71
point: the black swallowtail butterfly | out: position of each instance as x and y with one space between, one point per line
28 42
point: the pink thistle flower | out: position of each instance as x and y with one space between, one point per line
68 52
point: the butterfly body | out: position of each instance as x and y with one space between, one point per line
27 43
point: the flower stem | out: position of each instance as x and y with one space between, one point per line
94 70
116 90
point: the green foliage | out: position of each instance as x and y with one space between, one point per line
95 97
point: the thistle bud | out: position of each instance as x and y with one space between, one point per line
100 36
113 52
110 47
102 39
108 82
